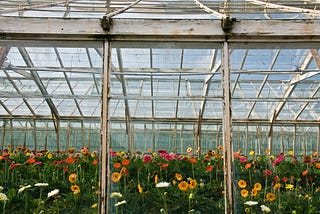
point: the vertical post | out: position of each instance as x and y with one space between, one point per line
227 142
105 138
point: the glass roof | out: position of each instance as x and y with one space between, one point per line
173 9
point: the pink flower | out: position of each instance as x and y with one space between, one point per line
113 154
267 172
279 159
243 159
147 159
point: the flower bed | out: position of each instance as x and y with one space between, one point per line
169 183
49 182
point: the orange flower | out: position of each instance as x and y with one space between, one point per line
125 162
84 151
115 177
95 162
69 160
244 193
318 165
117 165
183 186
75 189
285 179
257 186
277 186
270 196
236 155
193 160
178 176
73 178
193 184
254 192
163 165
242 184
209 168
30 161
220 148
315 154
305 172
71 150
248 165
156 179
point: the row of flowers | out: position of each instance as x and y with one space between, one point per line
49 182
165 182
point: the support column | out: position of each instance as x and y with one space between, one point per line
105 135
227 142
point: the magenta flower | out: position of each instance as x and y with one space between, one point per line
243 159
147 159
267 172
277 160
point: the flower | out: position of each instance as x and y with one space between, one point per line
278 160
147 159
23 188
193 184
69 160
244 193
290 152
178 176
30 161
220 148
115 177
193 160
95 205
277 186
189 149
75 189
41 184
243 159
265 209
140 188
270 196
183 186
3 197
162 184
254 192
125 162
267 172
289 186
318 165
156 179
84 151
73 178
305 172
53 193
117 165
120 203
257 186
209 168
248 166
116 194
251 153
242 184
251 203
191 196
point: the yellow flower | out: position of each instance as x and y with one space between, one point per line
251 153
244 193
191 196
193 184
140 188
115 177
220 148
242 184
270 196
174 182
156 179
49 156
277 186
271 157
183 186
257 186
290 153
290 186
189 149
73 178
94 205
178 176
247 210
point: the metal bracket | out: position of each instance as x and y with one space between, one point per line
106 23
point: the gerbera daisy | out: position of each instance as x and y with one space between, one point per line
183 186
178 176
115 177
244 193
270 196
73 178
258 186
193 184
242 184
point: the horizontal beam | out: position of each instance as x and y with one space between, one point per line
158 29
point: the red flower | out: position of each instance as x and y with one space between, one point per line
278 160
285 179
30 161
193 160
163 165
95 162
267 172
243 159
14 165
117 165
126 162
209 168
147 159
305 172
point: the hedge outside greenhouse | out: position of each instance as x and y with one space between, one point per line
169 107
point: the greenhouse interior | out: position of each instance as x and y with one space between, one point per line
155 106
